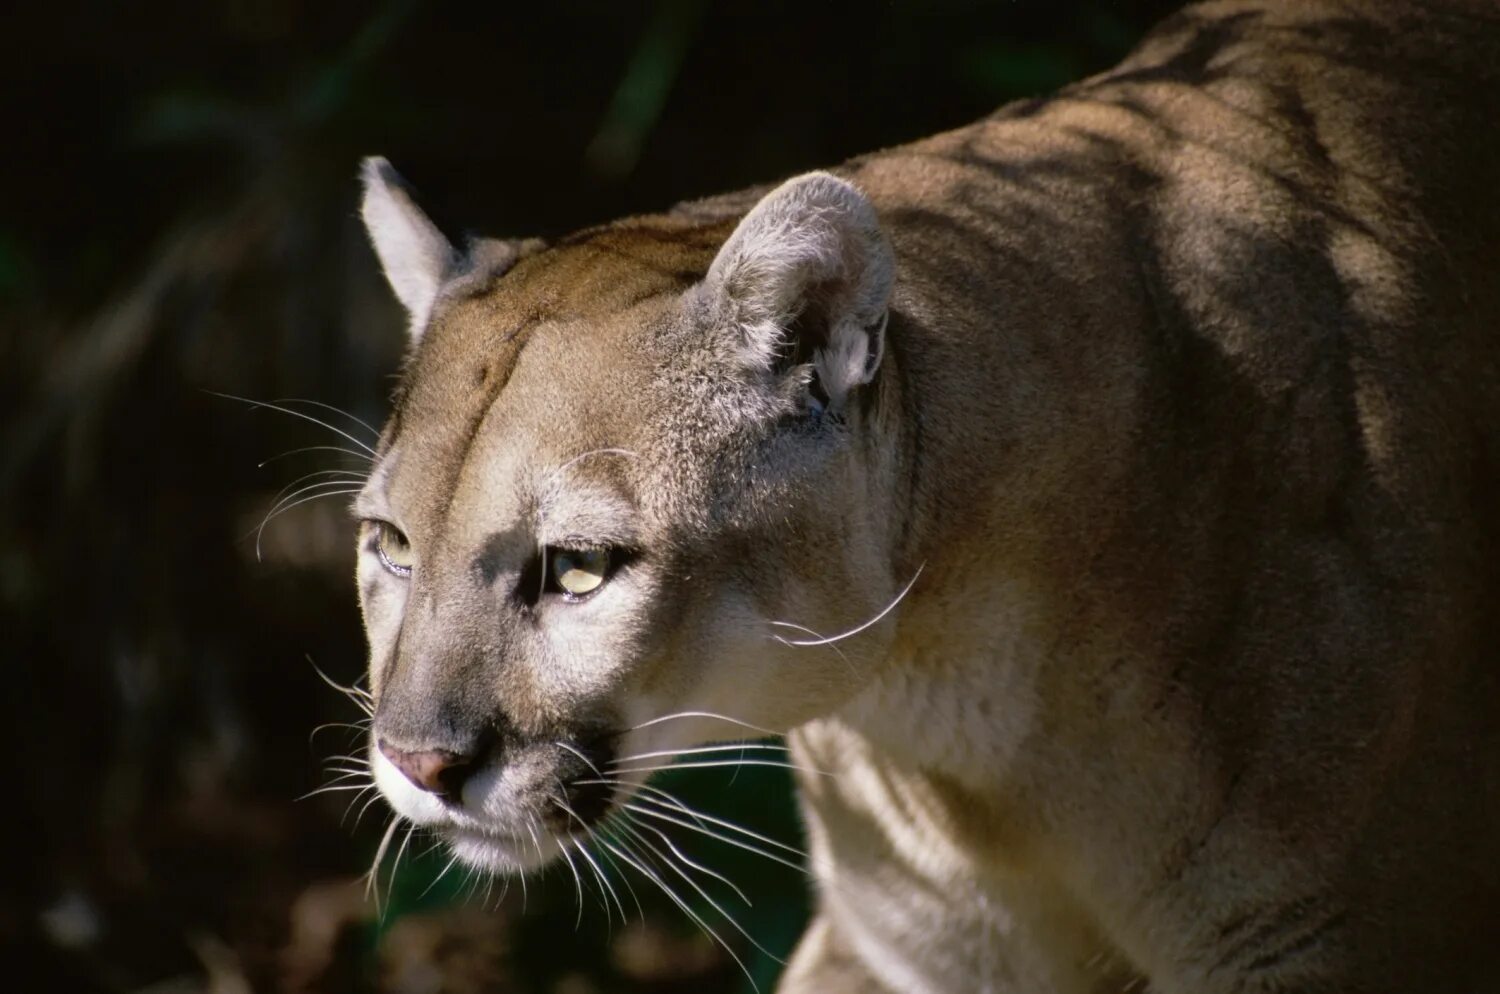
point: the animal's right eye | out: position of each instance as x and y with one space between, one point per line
394 550
578 572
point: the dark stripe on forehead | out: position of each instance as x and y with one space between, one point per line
465 360
491 372
495 374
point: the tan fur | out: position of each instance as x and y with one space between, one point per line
1184 417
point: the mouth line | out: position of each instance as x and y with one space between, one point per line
500 851
476 834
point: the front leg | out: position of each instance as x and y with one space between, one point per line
823 964
910 900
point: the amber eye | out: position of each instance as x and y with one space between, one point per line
578 572
394 550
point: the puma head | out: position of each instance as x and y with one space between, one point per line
633 486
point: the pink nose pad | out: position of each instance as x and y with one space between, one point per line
436 771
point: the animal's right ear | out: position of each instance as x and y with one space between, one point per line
417 259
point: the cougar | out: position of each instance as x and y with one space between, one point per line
1102 498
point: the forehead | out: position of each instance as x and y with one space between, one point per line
518 377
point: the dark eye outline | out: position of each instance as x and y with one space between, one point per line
534 583
553 553
382 529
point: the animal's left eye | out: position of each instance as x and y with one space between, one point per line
576 573
395 551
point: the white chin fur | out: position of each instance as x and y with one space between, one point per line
501 854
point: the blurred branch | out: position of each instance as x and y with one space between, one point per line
638 100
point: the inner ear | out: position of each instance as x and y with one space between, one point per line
805 337
804 281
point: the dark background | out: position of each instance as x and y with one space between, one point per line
178 217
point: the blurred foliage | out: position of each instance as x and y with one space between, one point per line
179 218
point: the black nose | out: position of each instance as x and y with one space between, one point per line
437 771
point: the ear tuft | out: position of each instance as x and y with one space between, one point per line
807 275
413 253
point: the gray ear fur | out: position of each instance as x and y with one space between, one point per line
413 252
811 249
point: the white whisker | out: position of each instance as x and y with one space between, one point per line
355 800
583 851
371 878
577 885
314 448
715 764
858 628
441 874
334 789
727 840
284 507
345 476
329 407
363 808
685 859
706 896
722 823
592 452
295 414
390 891
587 762
697 750
703 714
665 889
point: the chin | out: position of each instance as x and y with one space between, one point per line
501 854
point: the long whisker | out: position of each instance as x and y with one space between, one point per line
579 753
666 798
470 883
314 448
345 475
665 889
577 885
861 627
358 695
290 500
390 891
333 789
685 859
371 878
283 506
489 886
329 407
359 726
703 714
727 840
583 851
363 808
346 772
832 645
608 451
705 895
714 764
698 750
296 414
355 800
357 758
441 874
700 817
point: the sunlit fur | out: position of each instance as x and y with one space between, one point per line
1103 496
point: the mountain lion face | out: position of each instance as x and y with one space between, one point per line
625 493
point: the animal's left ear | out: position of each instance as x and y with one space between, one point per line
806 279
